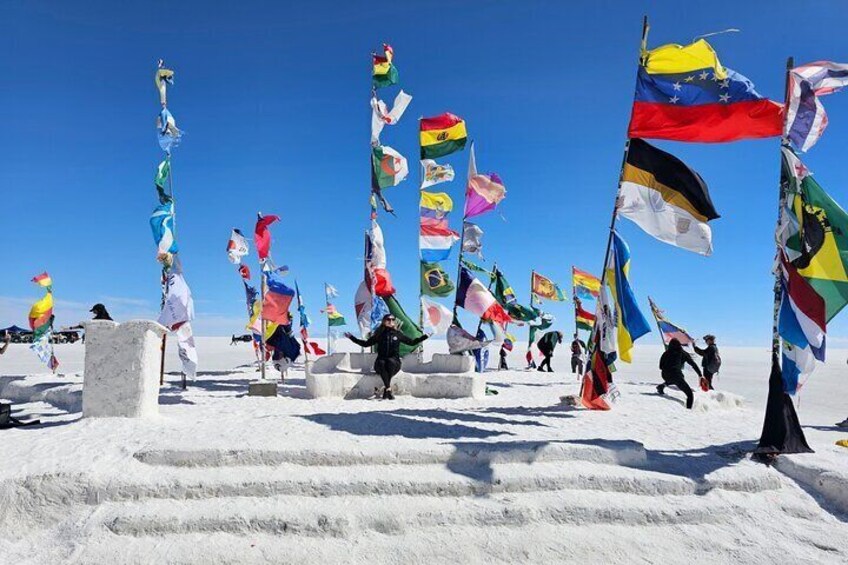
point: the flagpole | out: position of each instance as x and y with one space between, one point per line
529 340
781 203
574 301
657 320
461 245
614 217
327 313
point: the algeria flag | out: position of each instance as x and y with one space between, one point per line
388 167
436 316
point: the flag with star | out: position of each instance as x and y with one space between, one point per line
683 93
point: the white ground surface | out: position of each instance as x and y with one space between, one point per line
514 478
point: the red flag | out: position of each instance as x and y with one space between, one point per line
262 236
244 271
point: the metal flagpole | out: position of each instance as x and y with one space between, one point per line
262 290
775 334
327 313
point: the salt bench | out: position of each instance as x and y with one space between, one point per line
351 375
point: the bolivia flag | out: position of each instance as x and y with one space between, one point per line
585 320
384 73
41 312
684 93
442 135
43 280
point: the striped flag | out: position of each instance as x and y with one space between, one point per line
806 118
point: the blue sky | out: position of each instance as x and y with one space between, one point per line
273 97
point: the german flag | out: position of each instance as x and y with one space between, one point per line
666 198
442 135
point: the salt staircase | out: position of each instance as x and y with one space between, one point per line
462 502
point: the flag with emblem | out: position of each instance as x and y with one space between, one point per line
667 199
543 287
384 72
388 167
684 93
434 280
442 135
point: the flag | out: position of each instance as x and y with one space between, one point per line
334 318
162 78
244 271
168 135
441 135
434 207
277 300
434 280
684 93
162 226
476 268
41 314
262 235
595 391
483 191
505 296
388 167
435 242
436 317
381 280
236 247
187 350
178 307
404 324
43 280
818 244
583 319
543 287
163 170
384 72
472 239
434 173
251 298
363 303
378 310
631 323
382 116
539 323
667 329
585 285
666 198
798 362
460 341
806 119
782 432
473 296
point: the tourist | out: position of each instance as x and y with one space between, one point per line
710 359
671 365
503 353
577 349
387 338
547 345
6 341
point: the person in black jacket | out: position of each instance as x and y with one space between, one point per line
671 366
546 346
387 338
710 359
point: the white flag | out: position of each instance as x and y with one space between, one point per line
236 247
381 115
434 173
436 317
179 305
187 350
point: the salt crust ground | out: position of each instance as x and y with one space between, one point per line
225 478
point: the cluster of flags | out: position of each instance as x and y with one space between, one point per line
41 323
177 303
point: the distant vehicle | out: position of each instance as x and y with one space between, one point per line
18 334
66 336
246 338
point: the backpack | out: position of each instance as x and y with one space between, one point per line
716 363
7 421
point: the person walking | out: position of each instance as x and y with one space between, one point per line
503 353
578 347
710 359
546 346
387 338
671 367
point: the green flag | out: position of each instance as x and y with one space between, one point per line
405 325
434 280
541 322
506 297
163 170
814 232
